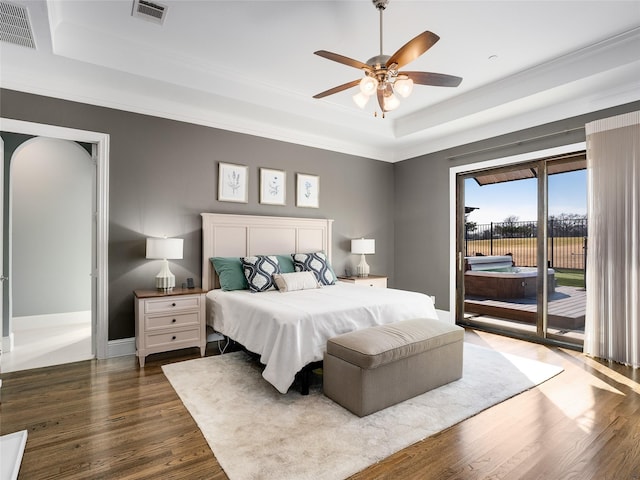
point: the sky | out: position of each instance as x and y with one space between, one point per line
567 194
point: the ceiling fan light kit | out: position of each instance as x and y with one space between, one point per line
368 85
381 73
361 99
403 86
390 102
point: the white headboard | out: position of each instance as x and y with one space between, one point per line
225 235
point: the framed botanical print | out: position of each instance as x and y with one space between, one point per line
273 186
308 191
232 183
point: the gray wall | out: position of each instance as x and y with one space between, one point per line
422 257
163 174
51 236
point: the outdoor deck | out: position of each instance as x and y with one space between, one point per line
567 308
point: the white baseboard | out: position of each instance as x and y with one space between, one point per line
31 322
121 347
8 343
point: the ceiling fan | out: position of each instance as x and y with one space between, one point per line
381 73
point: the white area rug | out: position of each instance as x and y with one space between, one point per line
257 433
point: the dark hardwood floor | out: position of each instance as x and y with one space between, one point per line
111 420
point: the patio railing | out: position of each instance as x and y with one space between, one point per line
567 242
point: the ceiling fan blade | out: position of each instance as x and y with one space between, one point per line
337 89
413 49
435 79
342 59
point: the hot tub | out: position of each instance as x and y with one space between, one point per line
486 279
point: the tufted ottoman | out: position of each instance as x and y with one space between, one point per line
371 369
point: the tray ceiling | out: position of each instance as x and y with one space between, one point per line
248 66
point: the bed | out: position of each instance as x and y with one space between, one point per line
289 330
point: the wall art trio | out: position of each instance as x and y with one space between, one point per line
233 186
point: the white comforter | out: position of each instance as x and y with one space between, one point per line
290 330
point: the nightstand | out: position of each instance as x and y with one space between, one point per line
377 281
169 321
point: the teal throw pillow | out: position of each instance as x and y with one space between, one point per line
230 273
286 263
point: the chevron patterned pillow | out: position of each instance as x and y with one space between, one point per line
259 271
316 263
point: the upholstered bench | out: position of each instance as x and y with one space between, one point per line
371 369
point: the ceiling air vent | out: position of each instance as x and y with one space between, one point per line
151 11
15 26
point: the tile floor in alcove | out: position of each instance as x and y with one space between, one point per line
45 340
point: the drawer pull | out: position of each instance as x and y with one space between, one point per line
173 304
173 321
173 338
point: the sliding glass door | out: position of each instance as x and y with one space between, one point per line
521 234
567 243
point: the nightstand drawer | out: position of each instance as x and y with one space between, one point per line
190 336
373 282
376 281
178 320
174 303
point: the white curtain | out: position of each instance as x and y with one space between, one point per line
612 327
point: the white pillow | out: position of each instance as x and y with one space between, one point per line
290 282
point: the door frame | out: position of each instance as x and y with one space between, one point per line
3 278
100 275
455 252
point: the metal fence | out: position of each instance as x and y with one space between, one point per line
567 242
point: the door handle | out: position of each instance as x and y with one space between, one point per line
3 278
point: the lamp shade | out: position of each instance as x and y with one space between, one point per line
361 99
368 85
390 102
363 245
404 87
164 248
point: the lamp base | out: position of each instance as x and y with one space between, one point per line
362 268
165 280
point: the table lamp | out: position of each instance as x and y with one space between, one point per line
363 246
165 249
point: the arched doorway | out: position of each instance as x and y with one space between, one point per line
51 238
98 146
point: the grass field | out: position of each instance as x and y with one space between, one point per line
569 278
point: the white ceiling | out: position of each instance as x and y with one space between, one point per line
249 66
